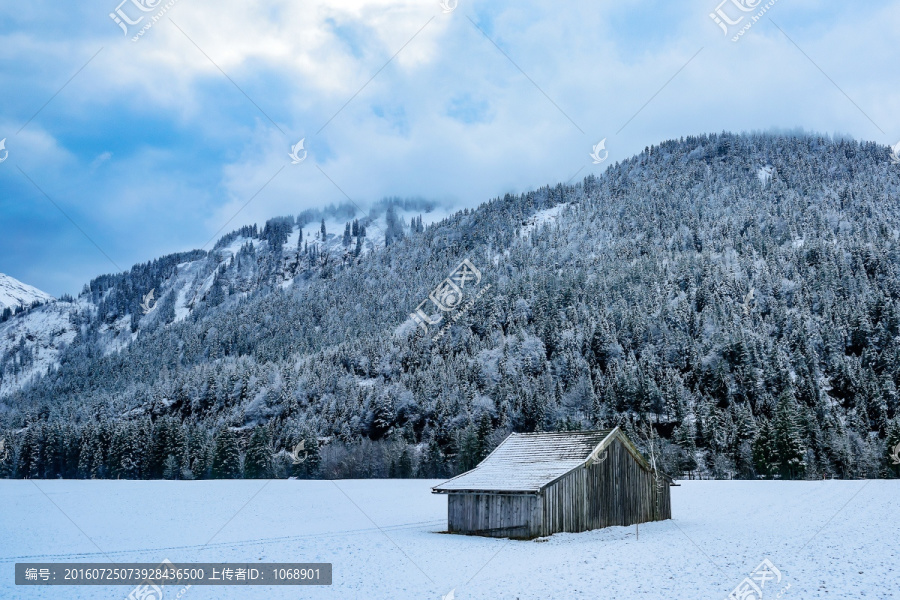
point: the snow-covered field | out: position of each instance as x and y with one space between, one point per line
829 539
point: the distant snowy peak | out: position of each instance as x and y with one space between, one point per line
14 293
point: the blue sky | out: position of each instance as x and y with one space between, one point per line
153 145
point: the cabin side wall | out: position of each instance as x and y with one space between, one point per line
494 515
617 491
663 506
566 503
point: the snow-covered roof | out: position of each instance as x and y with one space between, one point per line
526 462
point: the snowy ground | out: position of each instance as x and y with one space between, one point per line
829 539
541 218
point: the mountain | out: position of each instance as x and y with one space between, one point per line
730 300
14 294
112 307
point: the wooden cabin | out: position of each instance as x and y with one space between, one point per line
536 484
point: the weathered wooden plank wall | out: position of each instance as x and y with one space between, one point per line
617 491
495 515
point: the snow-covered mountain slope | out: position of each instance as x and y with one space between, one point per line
677 288
36 337
14 293
115 309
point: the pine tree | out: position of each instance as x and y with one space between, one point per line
226 456
54 451
198 456
30 455
171 468
7 457
684 438
159 448
482 432
764 452
208 400
383 415
433 464
90 456
789 450
892 448
258 458
404 464
532 412
168 440
184 468
124 453
468 450
744 433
